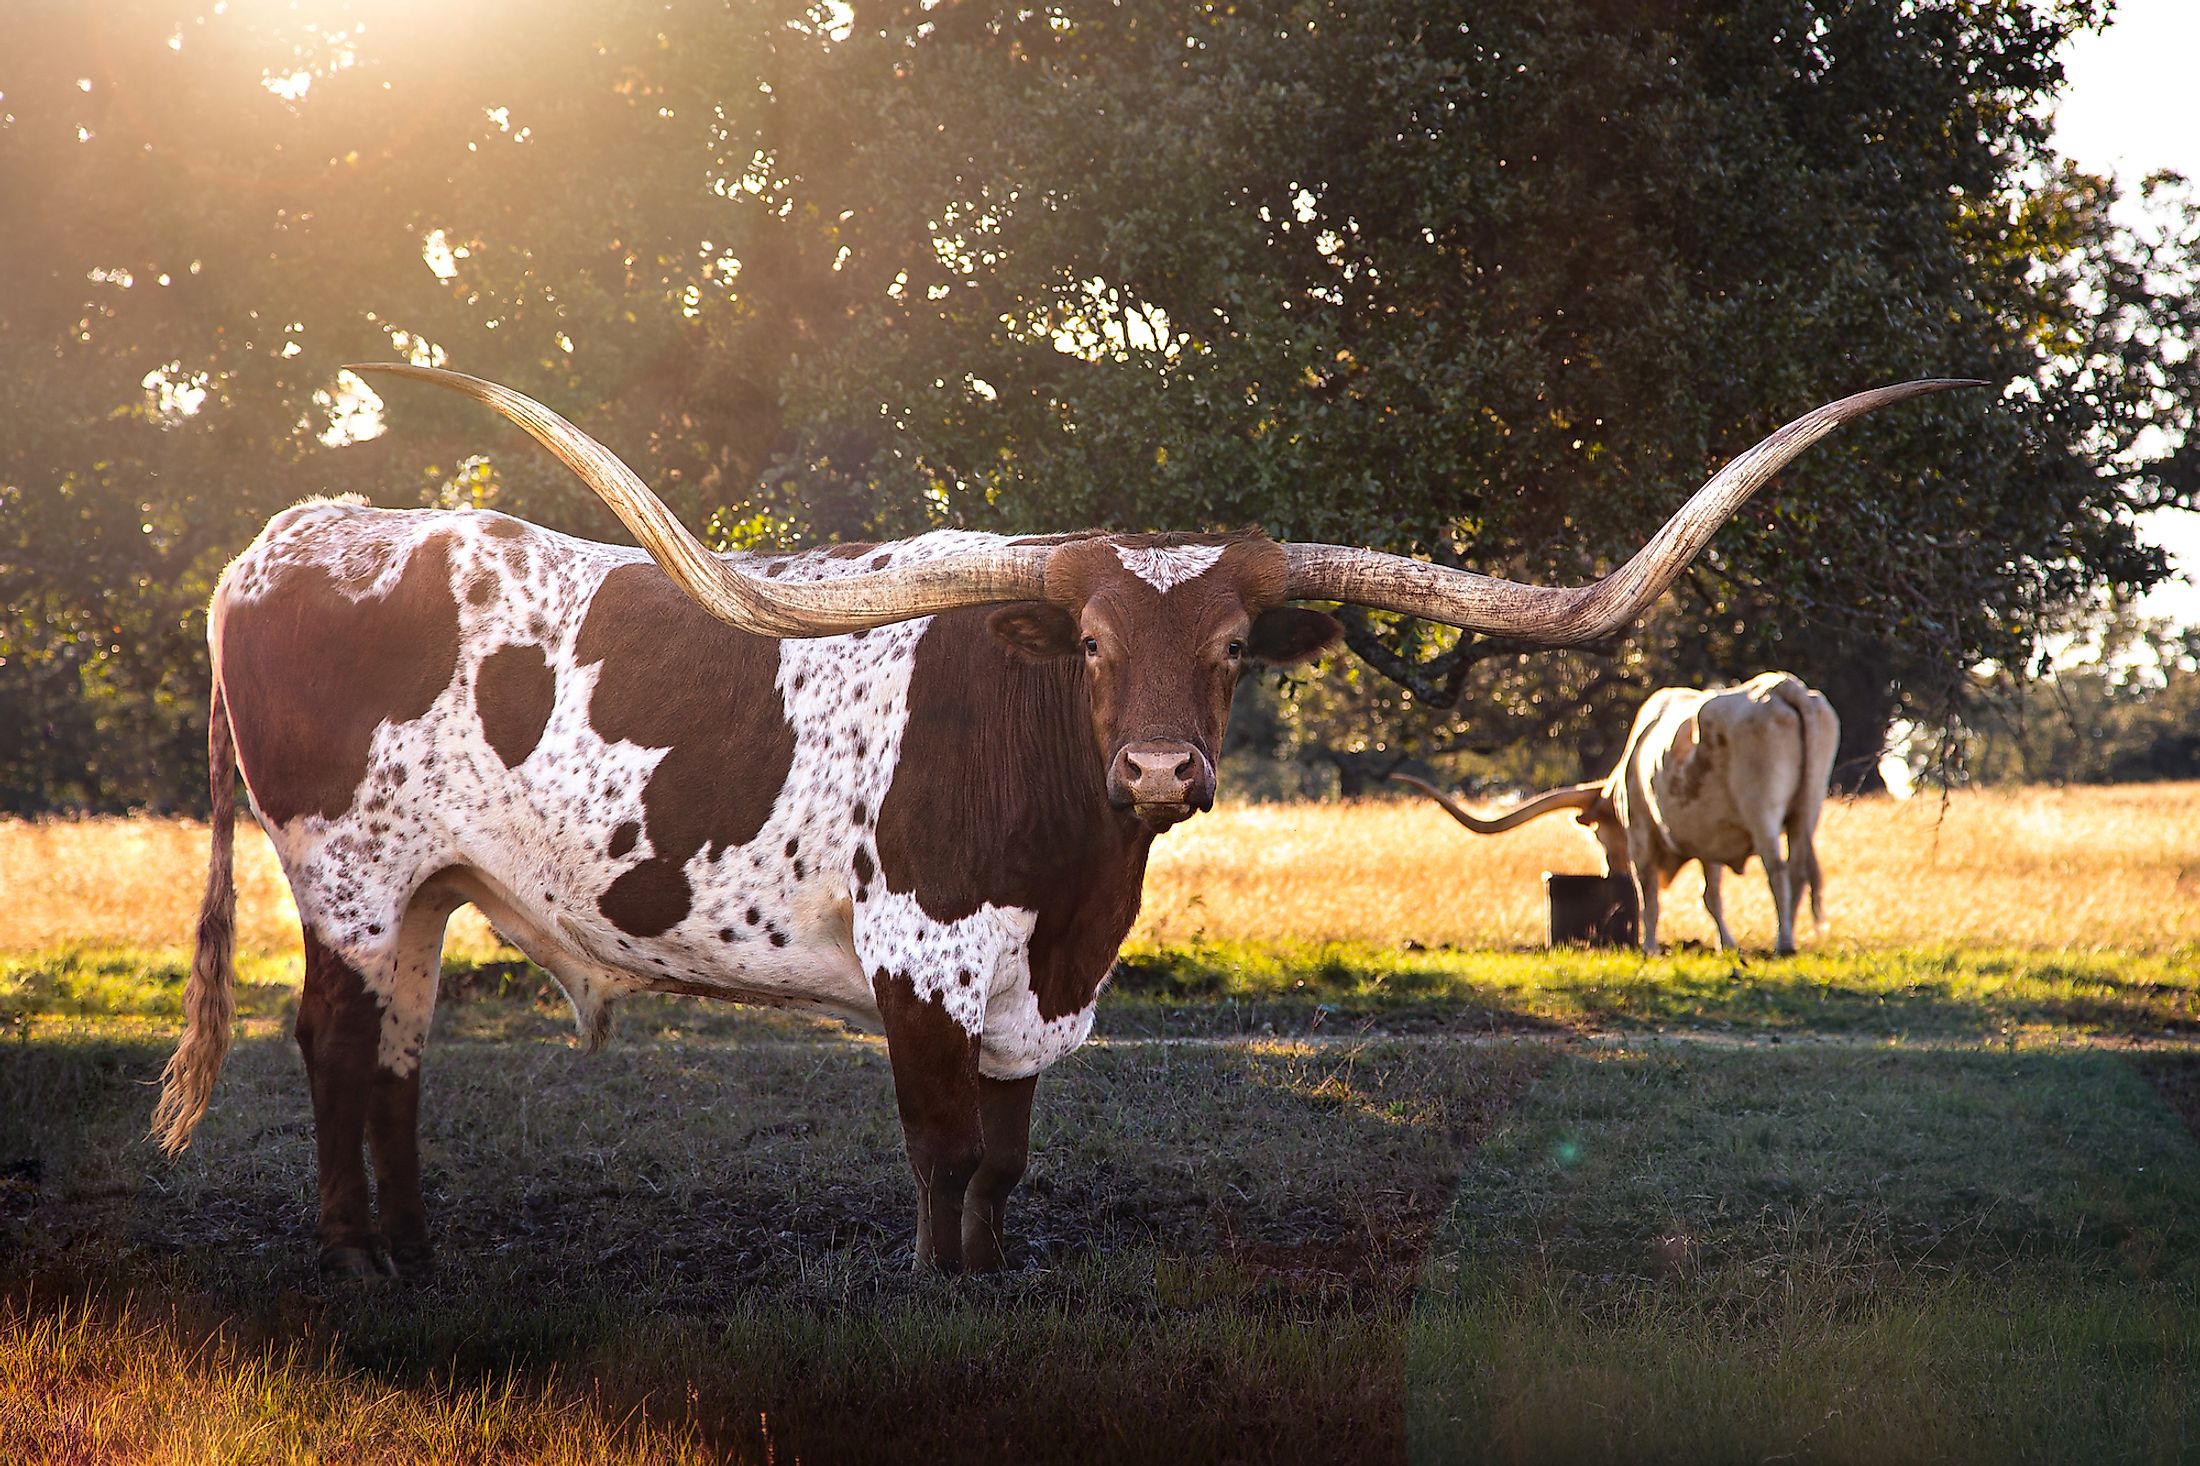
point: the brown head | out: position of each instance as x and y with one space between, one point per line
1163 625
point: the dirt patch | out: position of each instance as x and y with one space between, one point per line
1377 1259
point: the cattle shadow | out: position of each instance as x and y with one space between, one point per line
726 1198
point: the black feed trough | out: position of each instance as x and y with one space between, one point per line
1592 911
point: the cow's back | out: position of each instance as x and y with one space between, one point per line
1819 728
1713 769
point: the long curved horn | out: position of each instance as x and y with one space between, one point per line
1551 801
1566 616
769 608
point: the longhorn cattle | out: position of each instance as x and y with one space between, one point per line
910 785
1714 777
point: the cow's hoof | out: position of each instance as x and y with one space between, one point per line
413 1260
354 1265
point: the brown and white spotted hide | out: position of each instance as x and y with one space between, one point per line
937 827
1716 777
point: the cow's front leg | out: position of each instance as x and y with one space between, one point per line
1004 1110
936 1085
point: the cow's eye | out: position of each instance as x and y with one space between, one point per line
1092 647
1234 650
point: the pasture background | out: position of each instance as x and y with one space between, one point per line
2093 868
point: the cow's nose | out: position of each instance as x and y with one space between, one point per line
1162 772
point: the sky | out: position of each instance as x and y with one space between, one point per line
2128 110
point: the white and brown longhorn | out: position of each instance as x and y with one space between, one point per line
912 784
1714 777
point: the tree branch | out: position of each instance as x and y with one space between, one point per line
1441 681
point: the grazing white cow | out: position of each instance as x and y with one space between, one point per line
1712 776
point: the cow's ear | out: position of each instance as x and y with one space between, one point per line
1288 635
1035 628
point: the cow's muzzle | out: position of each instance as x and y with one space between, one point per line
1161 780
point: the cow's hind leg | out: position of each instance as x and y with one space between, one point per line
1778 873
393 1107
362 1054
1714 901
1649 886
1004 1110
1803 872
935 1062
339 1029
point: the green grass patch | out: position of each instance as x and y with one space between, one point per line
129 982
111 983
1939 994
1673 1252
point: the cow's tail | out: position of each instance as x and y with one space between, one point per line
1821 736
209 1004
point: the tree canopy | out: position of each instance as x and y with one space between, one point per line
1494 287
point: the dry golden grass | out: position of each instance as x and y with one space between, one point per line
137 882
2092 868
2115 867
83 1386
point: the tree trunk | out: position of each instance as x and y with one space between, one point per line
1857 685
1358 772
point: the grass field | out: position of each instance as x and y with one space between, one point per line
1354 1173
2113 869
2110 869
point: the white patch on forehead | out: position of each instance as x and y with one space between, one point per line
1166 566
